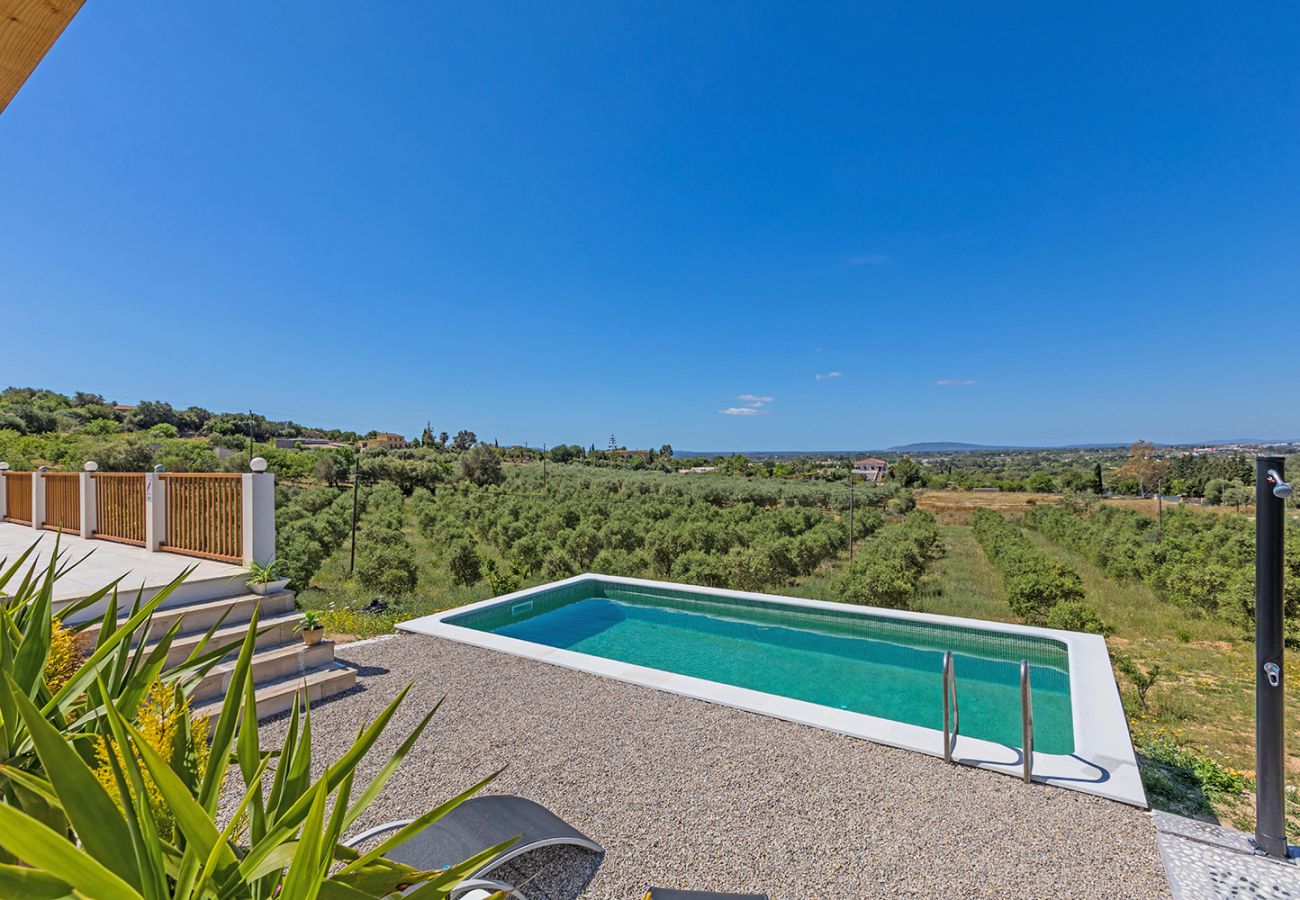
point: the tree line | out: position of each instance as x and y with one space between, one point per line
1039 589
1200 560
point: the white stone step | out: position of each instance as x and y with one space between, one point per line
197 618
274 630
276 697
190 591
269 664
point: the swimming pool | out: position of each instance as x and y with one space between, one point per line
869 672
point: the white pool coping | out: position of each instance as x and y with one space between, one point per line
1103 763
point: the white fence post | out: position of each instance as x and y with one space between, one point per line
4 490
88 498
155 510
257 495
38 498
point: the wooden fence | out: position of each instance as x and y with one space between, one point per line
62 501
205 515
18 497
120 507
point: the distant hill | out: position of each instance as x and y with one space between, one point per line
963 447
942 447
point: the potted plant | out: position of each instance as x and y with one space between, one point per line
265 579
312 629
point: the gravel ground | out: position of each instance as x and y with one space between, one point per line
684 793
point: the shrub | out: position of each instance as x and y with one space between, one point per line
168 727
1034 582
1075 615
356 622
403 474
1142 679
752 569
698 567
481 466
123 842
65 657
1199 560
886 582
503 582
386 563
312 525
1181 780
617 561
384 495
464 563
559 565
530 552
300 555
45 665
888 569
901 503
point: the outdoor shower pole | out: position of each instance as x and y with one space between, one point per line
1270 812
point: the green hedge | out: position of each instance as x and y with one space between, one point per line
1205 561
1034 581
888 568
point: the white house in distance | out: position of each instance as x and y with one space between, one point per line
871 469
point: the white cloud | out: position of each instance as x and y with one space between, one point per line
744 411
754 400
955 382
867 259
829 375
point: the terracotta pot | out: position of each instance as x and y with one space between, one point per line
269 587
312 636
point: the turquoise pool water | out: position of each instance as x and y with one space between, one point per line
843 659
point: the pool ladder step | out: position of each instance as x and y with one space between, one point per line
949 703
952 719
1026 721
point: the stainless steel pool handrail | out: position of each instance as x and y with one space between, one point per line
949 697
1027 721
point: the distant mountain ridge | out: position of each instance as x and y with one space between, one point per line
943 447
963 447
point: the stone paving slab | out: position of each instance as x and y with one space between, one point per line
107 560
1205 861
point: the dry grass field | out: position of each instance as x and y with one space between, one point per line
955 507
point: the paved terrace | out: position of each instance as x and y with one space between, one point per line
684 793
107 560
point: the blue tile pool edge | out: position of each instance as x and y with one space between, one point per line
1103 763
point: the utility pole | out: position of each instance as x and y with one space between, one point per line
1270 797
356 483
250 434
1160 513
543 467
850 517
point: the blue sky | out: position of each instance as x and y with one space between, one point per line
880 223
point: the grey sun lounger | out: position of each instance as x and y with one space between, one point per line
475 825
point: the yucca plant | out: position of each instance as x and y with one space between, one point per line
73 697
264 574
283 841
